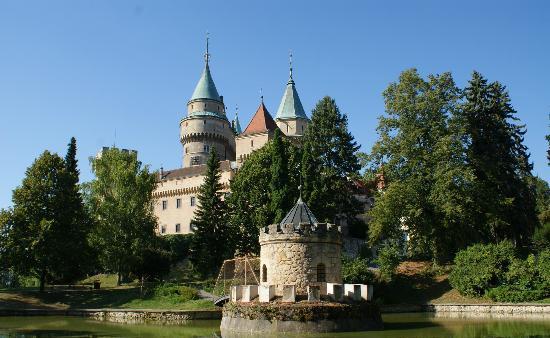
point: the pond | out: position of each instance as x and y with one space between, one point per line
413 325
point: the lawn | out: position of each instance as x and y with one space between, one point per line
110 297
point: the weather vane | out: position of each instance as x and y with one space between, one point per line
207 55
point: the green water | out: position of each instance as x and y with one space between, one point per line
401 325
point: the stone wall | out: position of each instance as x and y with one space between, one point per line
293 257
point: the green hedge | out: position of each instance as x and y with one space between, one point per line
176 292
495 271
356 271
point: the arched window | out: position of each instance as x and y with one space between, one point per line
321 273
264 274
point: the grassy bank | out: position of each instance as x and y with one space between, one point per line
109 296
421 283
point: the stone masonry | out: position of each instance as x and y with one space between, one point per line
302 256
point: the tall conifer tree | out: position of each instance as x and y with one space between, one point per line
211 242
504 189
329 161
281 201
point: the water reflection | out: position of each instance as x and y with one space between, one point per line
396 326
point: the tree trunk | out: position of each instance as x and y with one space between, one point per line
42 280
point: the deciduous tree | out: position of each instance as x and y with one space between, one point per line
122 207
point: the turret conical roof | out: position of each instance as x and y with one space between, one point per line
300 213
206 89
291 106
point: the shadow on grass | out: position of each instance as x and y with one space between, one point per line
74 299
413 289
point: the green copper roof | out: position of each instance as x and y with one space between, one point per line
207 113
206 89
237 125
291 106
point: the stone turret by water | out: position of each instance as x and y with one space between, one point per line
300 251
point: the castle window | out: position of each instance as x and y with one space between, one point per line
302 129
164 205
264 274
287 128
163 229
205 106
252 143
206 148
192 201
204 121
321 273
178 227
178 203
195 160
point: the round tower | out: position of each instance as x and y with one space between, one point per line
206 125
300 251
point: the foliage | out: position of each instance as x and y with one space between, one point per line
122 207
503 192
481 267
541 238
356 271
46 235
280 189
422 162
505 293
177 293
329 164
250 199
525 280
389 257
457 168
543 266
211 241
177 246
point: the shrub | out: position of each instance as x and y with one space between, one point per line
543 267
481 267
506 293
177 293
389 257
541 237
356 271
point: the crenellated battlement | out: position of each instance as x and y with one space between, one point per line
303 232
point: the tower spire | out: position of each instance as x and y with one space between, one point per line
261 95
207 54
290 64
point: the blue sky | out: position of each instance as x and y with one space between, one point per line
93 69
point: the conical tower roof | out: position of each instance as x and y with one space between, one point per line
300 213
206 89
261 121
237 124
291 106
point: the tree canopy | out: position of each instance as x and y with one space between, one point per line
457 168
122 207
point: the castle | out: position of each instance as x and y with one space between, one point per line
205 126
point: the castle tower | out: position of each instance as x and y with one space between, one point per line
291 117
206 124
300 251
